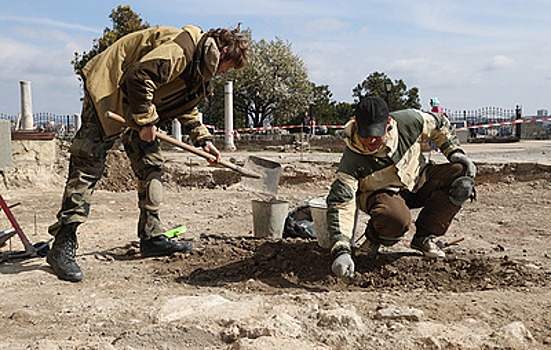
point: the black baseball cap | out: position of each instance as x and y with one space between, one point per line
371 116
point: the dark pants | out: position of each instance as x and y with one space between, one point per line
87 162
390 215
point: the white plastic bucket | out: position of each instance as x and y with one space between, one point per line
269 218
318 208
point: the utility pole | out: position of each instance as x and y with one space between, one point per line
388 90
518 114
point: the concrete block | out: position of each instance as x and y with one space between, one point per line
6 162
30 154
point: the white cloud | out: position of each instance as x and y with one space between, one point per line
260 8
49 22
500 62
43 58
322 26
463 52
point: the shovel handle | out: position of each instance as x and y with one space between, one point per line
186 147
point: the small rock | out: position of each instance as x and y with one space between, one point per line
104 257
340 318
208 307
432 343
230 334
22 316
272 343
512 336
396 313
532 266
285 324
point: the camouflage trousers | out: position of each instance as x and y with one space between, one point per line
87 163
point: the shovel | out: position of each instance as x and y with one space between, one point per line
260 175
268 183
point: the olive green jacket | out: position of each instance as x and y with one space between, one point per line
397 165
154 74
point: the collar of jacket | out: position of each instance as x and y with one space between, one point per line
206 57
388 148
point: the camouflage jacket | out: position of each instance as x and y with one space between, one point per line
397 165
153 75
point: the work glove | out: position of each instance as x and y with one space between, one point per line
461 158
343 265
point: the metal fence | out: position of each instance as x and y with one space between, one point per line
62 125
484 116
499 123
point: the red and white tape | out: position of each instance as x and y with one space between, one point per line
266 128
513 122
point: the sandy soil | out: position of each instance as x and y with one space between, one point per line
492 291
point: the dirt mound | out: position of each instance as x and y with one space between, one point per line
268 266
118 176
509 172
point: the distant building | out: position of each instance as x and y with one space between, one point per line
542 113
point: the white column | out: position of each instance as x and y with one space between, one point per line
27 122
176 130
77 121
228 117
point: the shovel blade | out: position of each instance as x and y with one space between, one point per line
269 171
6 235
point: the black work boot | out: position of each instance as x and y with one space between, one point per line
162 246
62 255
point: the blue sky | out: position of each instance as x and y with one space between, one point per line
469 54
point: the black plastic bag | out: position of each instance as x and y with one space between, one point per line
299 223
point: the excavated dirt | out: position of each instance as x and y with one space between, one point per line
492 290
300 263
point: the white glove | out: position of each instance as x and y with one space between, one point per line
343 265
461 158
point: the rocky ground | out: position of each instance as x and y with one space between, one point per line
235 291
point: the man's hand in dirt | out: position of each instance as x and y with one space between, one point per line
210 148
343 265
147 133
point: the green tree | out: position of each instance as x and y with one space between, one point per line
399 97
326 110
273 87
124 21
344 111
323 107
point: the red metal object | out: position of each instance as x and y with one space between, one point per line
30 250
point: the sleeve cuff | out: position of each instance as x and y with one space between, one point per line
203 141
460 150
149 117
341 247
